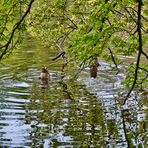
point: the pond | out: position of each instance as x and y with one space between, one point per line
64 114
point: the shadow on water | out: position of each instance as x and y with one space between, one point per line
82 113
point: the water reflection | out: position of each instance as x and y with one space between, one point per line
126 125
69 118
64 113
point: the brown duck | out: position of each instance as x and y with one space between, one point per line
44 75
93 71
94 68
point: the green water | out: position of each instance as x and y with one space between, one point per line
64 113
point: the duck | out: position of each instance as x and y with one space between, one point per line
94 68
93 71
44 75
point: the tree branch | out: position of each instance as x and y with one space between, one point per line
75 26
131 15
57 45
145 54
139 48
136 12
16 26
59 55
113 59
144 78
6 19
143 69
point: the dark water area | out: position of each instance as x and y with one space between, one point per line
64 114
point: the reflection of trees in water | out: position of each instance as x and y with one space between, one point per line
134 126
65 110
66 113
126 125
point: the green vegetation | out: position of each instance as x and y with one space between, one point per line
83 29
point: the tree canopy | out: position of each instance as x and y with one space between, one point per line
83 29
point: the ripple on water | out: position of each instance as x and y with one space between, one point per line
61 115
13 130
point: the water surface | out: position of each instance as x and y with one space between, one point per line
81 113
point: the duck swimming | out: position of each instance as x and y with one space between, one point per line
44 75
93 71
94 68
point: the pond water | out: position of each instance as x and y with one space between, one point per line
65 114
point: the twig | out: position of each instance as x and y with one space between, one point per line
66 36
130 15
144 79
16 26
75 26
109 22
58 46
145 54
136 12
143 69
117 12
144 29
58 56
82 66
113 59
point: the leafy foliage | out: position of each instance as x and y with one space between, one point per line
12 14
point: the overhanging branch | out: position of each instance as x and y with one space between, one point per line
139 49
16 26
